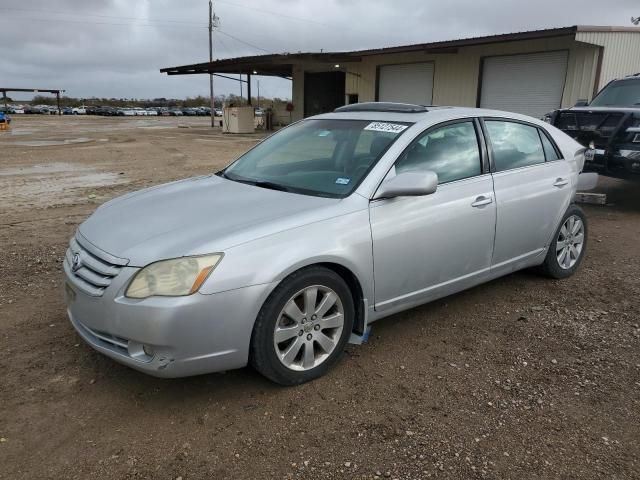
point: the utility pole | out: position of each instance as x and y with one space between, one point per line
213 22
258 93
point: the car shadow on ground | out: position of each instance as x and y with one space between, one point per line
621 194
242 385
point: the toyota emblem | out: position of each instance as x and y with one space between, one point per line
77 262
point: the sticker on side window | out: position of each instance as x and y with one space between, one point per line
386 127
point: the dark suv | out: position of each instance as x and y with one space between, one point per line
609 126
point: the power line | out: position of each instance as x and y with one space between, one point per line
85 22
243 41
278 14
51 12
225 47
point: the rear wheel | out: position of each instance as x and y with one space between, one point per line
303 327
569 245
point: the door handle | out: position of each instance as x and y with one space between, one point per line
482 200
561 182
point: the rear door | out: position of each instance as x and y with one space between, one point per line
532 189
429 246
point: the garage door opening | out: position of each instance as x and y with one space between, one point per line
531 84
323 92
406 83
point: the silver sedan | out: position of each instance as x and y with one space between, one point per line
325 227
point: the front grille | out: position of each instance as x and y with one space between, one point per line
90 269
591 127
604 123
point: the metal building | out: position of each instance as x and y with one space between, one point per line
527 72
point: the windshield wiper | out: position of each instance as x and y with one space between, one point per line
257 183
270 185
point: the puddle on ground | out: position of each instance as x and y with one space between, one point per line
51 184
51 143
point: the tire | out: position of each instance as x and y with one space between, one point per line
552 265
308 347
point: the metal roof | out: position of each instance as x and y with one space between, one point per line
281 64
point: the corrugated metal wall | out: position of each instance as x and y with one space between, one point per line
456 75
621 53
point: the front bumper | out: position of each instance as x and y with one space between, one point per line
623 163
167 336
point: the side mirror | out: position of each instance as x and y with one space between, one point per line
408 184
581 103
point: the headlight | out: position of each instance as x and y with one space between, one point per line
173 278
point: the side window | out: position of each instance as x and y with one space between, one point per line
451 151
514 144
549 151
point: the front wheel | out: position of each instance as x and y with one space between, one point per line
303 327
568 246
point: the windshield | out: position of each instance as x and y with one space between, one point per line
623 93
316 157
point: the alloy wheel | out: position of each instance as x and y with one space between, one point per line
570 242
308 328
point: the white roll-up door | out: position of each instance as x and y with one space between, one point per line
531 84
406 83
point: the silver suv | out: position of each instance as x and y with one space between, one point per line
323 228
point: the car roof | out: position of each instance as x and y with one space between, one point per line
428 115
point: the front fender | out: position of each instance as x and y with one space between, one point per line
344 240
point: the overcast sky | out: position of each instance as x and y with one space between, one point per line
115 48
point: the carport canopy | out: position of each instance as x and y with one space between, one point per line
275 65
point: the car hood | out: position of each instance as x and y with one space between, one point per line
612 108
197 216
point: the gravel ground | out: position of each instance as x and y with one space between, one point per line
523 377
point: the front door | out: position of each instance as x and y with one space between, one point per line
430 246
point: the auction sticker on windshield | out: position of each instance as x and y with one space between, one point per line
386 127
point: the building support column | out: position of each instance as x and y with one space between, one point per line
248 89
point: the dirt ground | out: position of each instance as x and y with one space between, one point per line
520 378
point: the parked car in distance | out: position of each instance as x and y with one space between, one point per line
81 110
439 199
151 112
126 112
13 109
175 112
218 112
106 111
609 126
67 111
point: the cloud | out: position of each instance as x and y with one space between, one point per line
116 47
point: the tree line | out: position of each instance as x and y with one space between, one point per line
198 101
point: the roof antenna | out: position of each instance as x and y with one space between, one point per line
635 21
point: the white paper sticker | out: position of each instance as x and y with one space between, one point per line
386 127
343 181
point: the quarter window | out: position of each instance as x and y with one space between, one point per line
549 150
450 151
514 145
